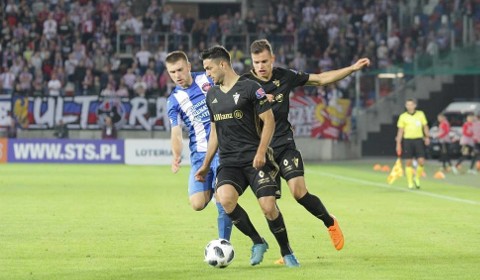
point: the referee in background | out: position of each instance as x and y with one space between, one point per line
414 133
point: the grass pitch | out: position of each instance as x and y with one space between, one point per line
131 222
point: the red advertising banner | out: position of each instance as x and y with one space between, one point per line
313 117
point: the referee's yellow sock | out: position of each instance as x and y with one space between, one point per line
419 172
418 175
409 173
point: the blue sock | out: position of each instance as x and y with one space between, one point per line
224 223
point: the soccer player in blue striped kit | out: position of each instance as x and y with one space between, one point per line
187 103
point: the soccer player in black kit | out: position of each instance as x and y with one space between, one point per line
278 83
242 126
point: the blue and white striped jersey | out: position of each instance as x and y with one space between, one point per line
189 106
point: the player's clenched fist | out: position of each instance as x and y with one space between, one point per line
259 161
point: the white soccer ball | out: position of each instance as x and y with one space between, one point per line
219 253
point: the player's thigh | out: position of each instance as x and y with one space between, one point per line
195 186
262 181
290 162
408 151
419 148
230 176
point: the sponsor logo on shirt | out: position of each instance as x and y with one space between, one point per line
206 87
260 93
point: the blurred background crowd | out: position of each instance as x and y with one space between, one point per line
117 47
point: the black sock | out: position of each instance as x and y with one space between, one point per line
315 206
277 227
472 165
241 220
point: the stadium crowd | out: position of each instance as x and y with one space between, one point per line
68 47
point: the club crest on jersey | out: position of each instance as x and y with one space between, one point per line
206 87
238 114
276 82
295 161
279 97
235 97
260 93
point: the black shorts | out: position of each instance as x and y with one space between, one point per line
413 148
467 150
290 162
261 181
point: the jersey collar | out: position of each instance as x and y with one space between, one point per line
261 78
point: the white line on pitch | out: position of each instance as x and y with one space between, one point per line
386 186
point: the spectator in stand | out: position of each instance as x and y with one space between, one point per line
150 79
78 76
122 90
167 14
163 80
25 82
38 83
143 58
177 28
54 86
7 82
50 28
61 130
189 22
325 64
100 60
109 91
87 83
140 87
12 128
130 78
109 131
160 57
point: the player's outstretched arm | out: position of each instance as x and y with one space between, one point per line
426 133
265 138
329 77
211 151
398 140
177 145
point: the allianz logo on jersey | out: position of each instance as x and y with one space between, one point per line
237 114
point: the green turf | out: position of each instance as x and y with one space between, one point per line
128 222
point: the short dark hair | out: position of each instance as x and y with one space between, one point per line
176 56
411 100
259 46
216 52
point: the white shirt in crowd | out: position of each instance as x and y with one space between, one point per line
50 28
143 57
8 80
54 87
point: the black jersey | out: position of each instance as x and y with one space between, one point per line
283 81
237 124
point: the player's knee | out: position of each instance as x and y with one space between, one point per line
198 202
269 207
198 205
228 202
297 188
